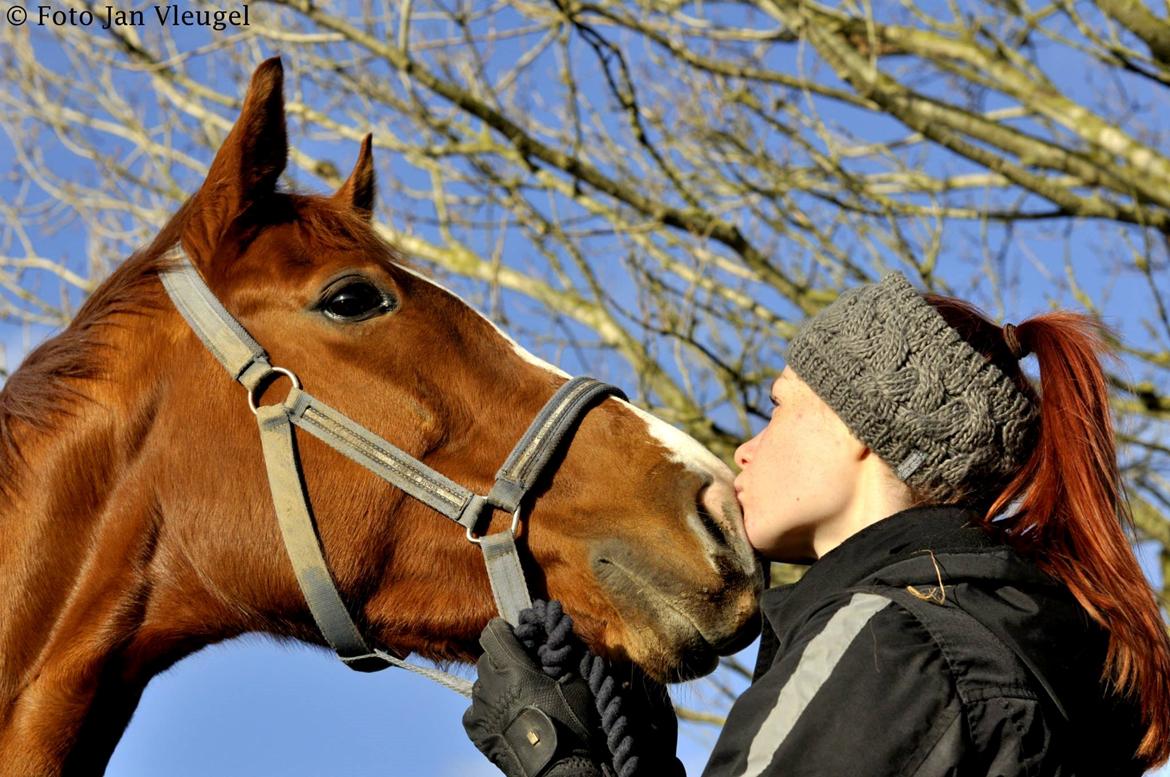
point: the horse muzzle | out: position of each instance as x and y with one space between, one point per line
691 599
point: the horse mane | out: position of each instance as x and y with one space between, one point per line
43 391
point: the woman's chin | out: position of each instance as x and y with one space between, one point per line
791 547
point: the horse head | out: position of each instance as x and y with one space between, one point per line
636 529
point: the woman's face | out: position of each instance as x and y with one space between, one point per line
799 476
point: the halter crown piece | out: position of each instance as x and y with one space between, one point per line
248 364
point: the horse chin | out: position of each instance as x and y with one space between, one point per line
662 638
675 652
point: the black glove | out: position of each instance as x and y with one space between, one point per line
527 723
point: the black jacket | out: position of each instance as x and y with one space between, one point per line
866 669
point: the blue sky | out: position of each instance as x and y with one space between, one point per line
254 707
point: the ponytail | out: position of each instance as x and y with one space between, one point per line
1067 507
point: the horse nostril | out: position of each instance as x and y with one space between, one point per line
708 522
718 524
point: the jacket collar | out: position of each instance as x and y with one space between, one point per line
1028 610
916 547
903 536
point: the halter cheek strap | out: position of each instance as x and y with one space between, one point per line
248 364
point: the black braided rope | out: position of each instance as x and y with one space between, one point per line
546 629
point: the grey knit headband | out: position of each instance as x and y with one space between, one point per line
909 387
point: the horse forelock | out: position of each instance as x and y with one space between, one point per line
321 223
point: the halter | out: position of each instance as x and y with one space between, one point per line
248 364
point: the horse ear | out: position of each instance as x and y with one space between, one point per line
359 189
247 166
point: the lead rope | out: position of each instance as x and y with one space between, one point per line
548 631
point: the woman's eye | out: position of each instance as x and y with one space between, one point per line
355 301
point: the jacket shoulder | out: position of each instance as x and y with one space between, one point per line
855 668
981 665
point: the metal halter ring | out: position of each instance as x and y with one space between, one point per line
471 536
253 393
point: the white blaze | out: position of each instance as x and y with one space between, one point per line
684 449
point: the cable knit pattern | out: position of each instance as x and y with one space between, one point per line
908 386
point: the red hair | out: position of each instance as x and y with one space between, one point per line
1067 509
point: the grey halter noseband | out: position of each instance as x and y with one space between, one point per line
248 364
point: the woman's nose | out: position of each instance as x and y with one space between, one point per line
743 454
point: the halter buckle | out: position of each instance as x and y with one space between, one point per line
262 383
475 539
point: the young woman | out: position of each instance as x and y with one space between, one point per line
973 606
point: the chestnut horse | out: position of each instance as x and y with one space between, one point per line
136 524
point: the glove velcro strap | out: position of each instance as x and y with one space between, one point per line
532 736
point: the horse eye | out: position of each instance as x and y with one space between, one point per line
355 300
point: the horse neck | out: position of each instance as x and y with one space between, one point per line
79 532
